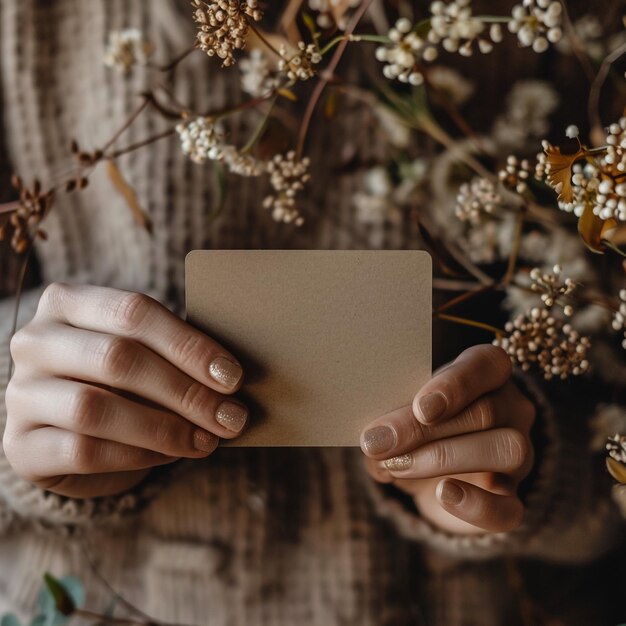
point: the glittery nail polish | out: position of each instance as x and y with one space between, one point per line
225 372
232 416
379 439
399 463
451 493
432 406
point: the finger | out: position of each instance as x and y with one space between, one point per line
142 318
124 364
502 450
92 486
491 512
476 371
399 432
378 471
89 410
45 452
489 481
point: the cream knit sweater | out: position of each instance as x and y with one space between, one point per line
253 537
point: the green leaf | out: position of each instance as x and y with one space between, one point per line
422 28
38 620
309 22
10 619
447 263
75 588
63 601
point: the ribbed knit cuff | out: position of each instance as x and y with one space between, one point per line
21 501
401 512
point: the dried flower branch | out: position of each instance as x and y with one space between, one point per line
537 23
224 26
33 206
127 48
540 339
288 175
552 287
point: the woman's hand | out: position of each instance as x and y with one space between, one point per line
108 384
462 448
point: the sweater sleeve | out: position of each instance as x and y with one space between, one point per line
569 515
21 502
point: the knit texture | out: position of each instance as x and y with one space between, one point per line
247 536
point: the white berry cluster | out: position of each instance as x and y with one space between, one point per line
224 26
242 164
201 139
552 287
454 27
401 57
616 447
537 23
599 183
611 197
475 199
619 320
326 12
288 175
257 78
515 174
539 339
299 65
127 48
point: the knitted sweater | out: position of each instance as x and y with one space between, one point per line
247 536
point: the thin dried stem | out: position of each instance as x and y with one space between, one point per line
464 297
465 322
260 128
145 618
140 144
515 249
325 78
593 104
263 38
177 60
446 284
133 116
577 45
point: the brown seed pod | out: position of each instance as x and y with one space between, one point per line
21 246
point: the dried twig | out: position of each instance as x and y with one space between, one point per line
325 77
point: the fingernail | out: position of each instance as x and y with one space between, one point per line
451 493
379 439
225 372
432 406
399 463
203 441
232 416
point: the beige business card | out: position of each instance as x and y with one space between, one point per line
329 340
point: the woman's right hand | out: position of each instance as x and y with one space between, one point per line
108 384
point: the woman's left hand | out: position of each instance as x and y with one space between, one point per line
462 448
